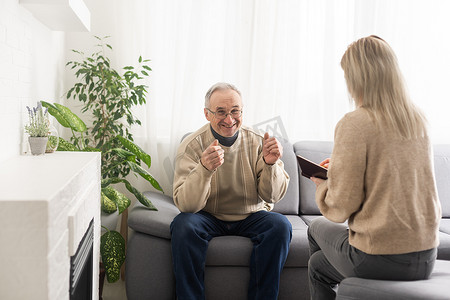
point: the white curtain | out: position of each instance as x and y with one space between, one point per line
284 55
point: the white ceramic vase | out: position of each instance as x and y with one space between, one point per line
37 144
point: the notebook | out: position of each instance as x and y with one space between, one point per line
311 169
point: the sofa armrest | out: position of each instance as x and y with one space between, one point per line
156 223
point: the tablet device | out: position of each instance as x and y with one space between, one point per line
311 169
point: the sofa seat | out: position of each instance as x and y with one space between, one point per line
236 250
445 225
435 288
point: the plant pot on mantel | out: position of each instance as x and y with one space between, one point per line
38 144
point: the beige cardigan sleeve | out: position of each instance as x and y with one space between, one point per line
191 185
273 181
342 194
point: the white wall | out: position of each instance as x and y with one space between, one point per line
31 68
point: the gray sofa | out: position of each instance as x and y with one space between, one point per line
149 272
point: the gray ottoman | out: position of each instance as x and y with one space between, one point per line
437 287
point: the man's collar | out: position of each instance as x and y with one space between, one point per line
223 140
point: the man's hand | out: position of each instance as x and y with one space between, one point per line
212 157
272 149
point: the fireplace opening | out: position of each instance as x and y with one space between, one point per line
81 267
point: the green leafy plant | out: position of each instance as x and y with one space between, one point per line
39 123
52 143
108 98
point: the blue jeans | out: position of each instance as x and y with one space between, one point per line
270 233
332 259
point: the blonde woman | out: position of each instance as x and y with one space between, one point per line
380 180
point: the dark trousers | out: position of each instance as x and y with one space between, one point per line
270 233
332 259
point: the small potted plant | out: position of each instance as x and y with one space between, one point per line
38 129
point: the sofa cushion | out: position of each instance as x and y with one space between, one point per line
308 218
445 225
315 151
299 247
236 250
442 173
229 250
289 204
437 287
155 223
444 246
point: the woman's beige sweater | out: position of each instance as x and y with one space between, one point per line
242 185
383 185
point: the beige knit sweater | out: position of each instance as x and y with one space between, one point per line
244 184
383 185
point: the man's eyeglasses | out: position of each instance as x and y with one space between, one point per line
222 114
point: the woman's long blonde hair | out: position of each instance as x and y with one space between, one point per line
375 82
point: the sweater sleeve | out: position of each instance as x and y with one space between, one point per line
343 193
273 181
191 185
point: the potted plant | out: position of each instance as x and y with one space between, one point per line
38 129
108 97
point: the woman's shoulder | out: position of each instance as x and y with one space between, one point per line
358 118
357 124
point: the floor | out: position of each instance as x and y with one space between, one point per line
114 291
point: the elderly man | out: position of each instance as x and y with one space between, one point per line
227 178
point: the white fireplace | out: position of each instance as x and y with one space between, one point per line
46 204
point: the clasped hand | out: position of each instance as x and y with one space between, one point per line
272 149
213 156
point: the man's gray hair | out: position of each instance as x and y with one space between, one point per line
219 87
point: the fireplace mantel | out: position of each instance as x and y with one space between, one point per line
46 204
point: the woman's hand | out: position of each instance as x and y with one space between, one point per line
325 163
317 181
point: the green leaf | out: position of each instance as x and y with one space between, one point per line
112 180
140 59
56 114
120 199
108 206
124 154
136 150
75 122
141 197
52 142
112 250
144 174
65 116
91 149
66 146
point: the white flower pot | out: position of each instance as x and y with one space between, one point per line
37 144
